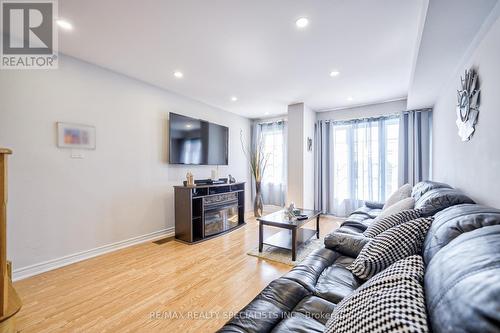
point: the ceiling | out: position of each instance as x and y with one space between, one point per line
253 49
445 43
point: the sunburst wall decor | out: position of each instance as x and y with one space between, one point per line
468 105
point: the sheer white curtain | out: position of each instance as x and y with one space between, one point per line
355 161
275 146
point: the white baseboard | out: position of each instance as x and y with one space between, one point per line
25 272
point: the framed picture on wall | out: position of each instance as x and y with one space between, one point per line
75 136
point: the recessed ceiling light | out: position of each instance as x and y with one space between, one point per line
334 73
189 125
350 98
234 98
64 24
266 113
302 22
178 74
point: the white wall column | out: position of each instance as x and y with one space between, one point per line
300 160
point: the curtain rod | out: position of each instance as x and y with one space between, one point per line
388 116
271 122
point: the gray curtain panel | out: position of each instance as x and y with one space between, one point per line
415 139
321 157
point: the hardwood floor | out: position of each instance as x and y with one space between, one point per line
171 287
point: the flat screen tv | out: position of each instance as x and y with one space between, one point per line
195 141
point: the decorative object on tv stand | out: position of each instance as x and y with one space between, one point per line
468 105
232 180
258 162
189 179
75 136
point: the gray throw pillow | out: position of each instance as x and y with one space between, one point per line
391 301
405 204
390 246
379 226
345 243
401 193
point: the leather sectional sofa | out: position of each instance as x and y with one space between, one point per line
462 278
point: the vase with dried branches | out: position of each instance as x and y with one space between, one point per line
258 161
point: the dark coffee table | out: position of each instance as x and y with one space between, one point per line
293 236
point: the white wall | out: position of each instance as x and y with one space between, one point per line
472 166
365 111
60 206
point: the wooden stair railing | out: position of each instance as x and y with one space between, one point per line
10 303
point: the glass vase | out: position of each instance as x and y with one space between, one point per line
258 205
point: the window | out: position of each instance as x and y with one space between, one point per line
273 148
361 162
274 178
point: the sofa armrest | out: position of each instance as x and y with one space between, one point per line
374 204
347 244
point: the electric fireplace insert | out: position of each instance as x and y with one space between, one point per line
221 213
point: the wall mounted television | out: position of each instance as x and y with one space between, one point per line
195 141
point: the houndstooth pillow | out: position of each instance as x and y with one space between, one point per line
379 226
391 301
390 246
412 266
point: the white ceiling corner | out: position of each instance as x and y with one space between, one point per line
451 26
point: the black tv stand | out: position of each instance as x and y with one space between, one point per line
208 181
206 211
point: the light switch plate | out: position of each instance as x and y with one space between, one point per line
77 154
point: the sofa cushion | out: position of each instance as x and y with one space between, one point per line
351 230
454 221
421 188
358 221
356 227
399 206
390 221
346 243
315 307
309 270
462 284
374 205
268 308
284 293
401 193
391 301
299 323
336 281
366 212
390 246
251 318
438 199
